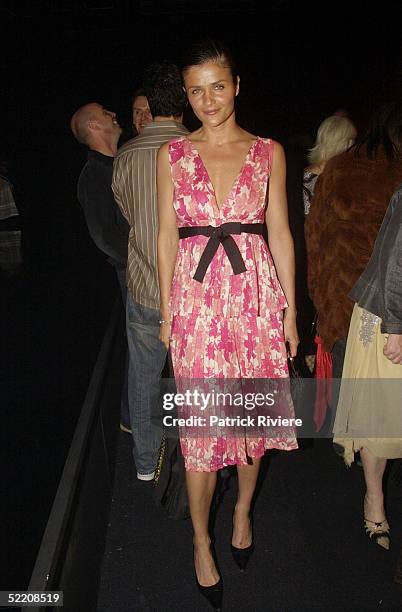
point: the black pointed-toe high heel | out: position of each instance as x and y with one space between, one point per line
241 556
214 593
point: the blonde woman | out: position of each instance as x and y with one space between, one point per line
335 135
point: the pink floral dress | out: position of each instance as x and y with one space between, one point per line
230 325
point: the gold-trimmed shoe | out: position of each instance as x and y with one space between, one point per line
378 532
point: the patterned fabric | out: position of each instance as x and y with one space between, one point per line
368 324
229 326
309 181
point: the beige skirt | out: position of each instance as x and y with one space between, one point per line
369 412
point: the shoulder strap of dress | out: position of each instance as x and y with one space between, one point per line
176 149
266 152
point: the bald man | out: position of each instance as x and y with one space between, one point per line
98 129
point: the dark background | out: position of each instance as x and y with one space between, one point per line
298 63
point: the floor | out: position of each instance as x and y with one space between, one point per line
311 551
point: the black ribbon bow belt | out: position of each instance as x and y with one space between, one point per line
220 235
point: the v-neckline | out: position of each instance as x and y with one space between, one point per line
235 183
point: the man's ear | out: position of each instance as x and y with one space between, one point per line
238 85
93 124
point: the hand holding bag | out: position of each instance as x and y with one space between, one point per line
170 475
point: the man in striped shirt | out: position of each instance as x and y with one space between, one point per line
134 188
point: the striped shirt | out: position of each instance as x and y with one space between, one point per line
134 188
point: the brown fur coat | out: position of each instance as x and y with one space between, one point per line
349 203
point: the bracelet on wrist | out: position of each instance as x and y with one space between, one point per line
161 321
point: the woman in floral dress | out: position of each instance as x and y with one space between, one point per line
226 310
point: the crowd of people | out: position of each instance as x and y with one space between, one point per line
196 225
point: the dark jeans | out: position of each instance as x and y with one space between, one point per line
124 405
147 358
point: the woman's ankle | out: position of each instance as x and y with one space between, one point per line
242 509
201 540
374 505
374 498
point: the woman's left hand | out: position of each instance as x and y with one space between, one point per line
290 331
164 333
393 348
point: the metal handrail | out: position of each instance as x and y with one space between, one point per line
45 567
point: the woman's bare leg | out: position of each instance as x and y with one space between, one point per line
200 488
373 473
247 476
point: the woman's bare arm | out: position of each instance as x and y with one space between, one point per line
168 238
281 242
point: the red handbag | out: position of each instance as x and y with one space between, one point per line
323 374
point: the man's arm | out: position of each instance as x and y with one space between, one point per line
108 229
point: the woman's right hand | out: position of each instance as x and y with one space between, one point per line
164 333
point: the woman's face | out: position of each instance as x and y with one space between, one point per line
211 92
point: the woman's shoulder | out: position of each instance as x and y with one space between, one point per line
175 150
271 148
175 144
269 143
265 139
177 140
